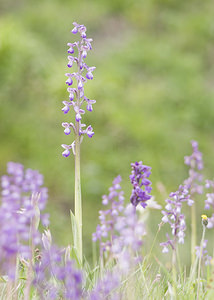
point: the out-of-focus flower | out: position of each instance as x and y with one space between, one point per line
195 161
173 216
23 197
205 256
141 184
55 276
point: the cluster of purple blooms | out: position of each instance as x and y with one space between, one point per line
106 288
23 197
192 185
120 232
207 258
56 263
172 215
195 161
139 180
105 231
76 94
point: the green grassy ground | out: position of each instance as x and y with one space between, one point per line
153 86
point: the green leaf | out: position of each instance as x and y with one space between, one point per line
74 247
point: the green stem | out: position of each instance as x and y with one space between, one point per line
78 199
193 233
174 273
200 257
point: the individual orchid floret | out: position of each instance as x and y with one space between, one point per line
66 107
89 131
89 74
67 127
75 29
78 112
141 184
67 148
70 61
72 92
89 103
69 81
71 47
81 81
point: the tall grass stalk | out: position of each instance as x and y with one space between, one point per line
193 233
200 258
78 198
174 273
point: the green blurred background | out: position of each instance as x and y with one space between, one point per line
153 84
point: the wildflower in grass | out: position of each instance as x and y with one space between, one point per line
128 239
141 184
209 202
205 257
106 287
173 216
78 79
114 202
17 211
204 221
55 275
120 232
193 182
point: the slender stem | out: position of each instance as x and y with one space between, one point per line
78 199
174 273
193 233
200 257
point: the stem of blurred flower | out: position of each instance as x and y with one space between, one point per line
193 233
33 228
78 198
174 273
200 257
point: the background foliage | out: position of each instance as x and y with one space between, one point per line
153 86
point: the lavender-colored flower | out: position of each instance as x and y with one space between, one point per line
119 232
54 263
205 256
106 230
195 161
19 214
173 216
209 201
141 184
76 95
106 287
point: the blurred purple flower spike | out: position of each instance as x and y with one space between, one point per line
141 184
